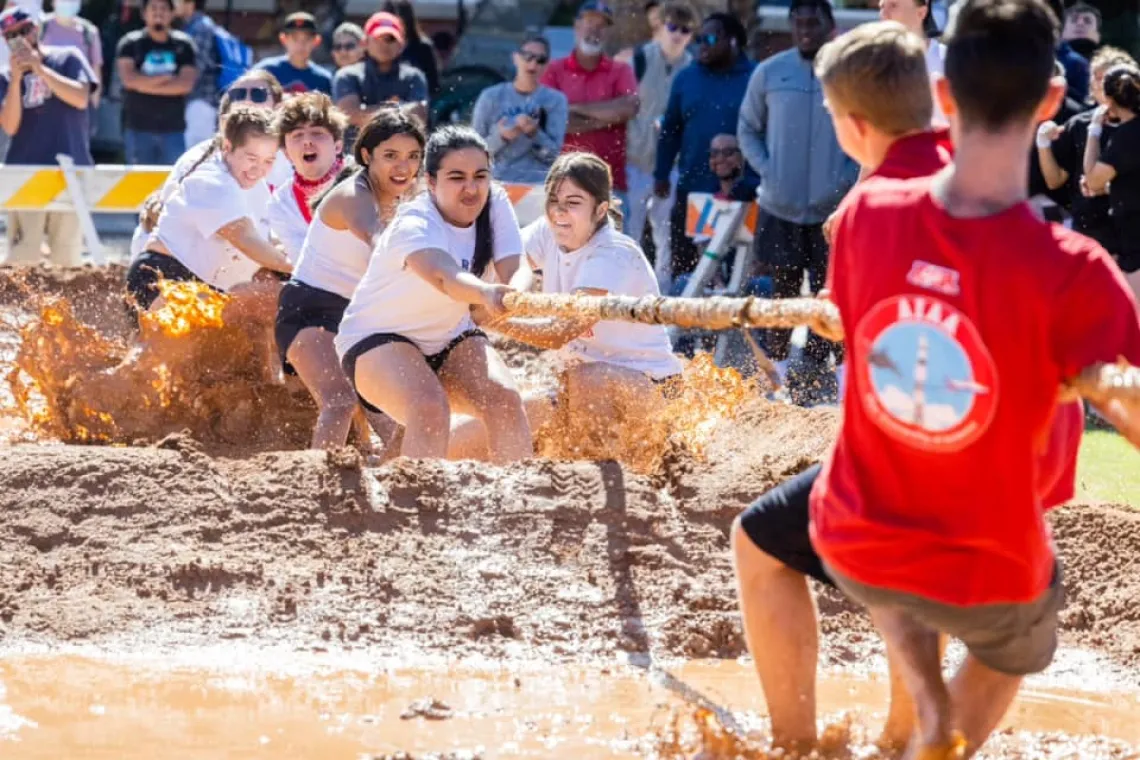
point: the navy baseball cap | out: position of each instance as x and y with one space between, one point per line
596 6
14 18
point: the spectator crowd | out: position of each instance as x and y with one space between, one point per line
686 112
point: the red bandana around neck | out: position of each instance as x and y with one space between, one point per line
306 189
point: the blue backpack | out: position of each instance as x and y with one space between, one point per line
234 58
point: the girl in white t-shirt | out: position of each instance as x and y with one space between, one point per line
212 228
407 341
256 88
333 259
614 370
311 130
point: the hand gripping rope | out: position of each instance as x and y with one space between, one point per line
1100 382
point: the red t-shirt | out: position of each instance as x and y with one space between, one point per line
917 155
958 339
606 81
921 155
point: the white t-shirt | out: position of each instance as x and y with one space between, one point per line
204 202
332 260
281 173
936 68
393 299
612 262
287 221
181 166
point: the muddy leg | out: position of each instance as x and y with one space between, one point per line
914 649
981 697
782 634
899 726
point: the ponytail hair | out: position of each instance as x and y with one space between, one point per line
590 173
448 139
1122 87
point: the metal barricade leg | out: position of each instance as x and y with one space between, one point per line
86 223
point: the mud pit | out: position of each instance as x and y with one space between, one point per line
297 558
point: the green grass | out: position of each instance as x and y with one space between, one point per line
1108 469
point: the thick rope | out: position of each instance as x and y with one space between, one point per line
1098 382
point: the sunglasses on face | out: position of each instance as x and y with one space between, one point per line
723 152
679 28
252 94
344 47
530 57
708 39
18 33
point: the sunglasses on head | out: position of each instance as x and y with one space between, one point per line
530 57
723 152
678 28
252 94
344 47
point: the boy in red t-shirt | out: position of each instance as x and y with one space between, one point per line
960 337
876 86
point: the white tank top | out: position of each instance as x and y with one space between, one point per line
331 259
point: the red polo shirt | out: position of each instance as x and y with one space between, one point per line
606 81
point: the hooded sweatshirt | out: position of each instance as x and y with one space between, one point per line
703 103
524 159
787 137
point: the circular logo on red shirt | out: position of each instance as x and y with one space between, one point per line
926 377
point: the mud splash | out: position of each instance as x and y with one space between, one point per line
72 706
703 398
199 365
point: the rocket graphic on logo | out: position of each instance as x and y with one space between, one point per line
928 379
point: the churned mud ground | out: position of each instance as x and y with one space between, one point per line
178 543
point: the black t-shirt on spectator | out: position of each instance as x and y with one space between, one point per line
1090 215
155 113
372 86
1060 196
1123 154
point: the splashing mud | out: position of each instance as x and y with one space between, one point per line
703 398
199 365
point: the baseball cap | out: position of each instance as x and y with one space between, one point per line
300 22
596 6
13 18
385 25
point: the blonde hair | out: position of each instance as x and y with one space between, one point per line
878 71
1109 57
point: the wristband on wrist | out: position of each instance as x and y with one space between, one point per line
1095 130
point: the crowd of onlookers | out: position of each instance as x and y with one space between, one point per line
686 112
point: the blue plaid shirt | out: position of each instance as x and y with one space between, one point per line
200 28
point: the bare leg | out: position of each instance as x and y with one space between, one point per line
981 698
395 378
480 384
469 437
915 650
782 633
313 356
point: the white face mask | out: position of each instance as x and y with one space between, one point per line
585 47
67 8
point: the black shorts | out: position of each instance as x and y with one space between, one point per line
777 523
144 274
435 361
301 306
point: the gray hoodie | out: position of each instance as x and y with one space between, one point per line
787 136
523 159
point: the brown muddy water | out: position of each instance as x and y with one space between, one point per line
73 706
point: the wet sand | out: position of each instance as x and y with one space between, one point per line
180 545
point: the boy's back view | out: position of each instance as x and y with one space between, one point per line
959 339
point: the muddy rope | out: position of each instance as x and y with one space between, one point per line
1100 382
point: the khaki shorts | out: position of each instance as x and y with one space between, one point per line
1016 639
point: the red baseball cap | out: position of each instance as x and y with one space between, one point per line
385 25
